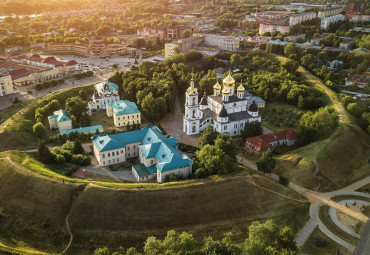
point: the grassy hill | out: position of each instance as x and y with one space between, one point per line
34 208
342 158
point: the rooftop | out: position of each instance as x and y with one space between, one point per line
123 107
89 129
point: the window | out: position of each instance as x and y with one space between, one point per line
151 162
108 154
103 155
117 159
113 153
134 146
121 151
117 153
103 162
108 161
123 117
128 154
225 127
128 148
118 118
236 125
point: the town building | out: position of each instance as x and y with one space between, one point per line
124 113
227 110
104 93
325 22
270 28
302 17
94 48
329 12
157 154
227 43
204 26
182 45
171 32
355 8
268 142
6 85
60 120
357 19
359 80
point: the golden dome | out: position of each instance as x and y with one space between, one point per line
229 80
241 88
225 91
217 86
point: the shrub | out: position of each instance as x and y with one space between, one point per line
201 173
60 159
320 242
39 129
80 159
283 180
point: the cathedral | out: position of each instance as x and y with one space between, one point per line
226 110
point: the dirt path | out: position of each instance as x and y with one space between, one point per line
70 235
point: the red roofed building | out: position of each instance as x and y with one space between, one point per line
268 142
358 79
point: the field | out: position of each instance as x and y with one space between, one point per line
35 206
279 116
16 131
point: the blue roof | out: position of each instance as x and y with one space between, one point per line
154 145
258 100
141 170
60 115
111 86
89 129
123 107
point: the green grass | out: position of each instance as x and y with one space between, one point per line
116 215
324 217
310 248
16 131
17 248
98 117
9 112
279 116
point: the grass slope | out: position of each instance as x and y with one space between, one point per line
16 131
36 206
342 157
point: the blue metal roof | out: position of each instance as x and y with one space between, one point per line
61 115
89 129
123 107
111 86
154 145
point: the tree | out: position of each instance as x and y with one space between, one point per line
208 136
187 34
39 129
291 48
291 66
43 152
102 251
354 109
77 147
181 244
214 160
268 238
236 60
225 143
346 100
251 129
266 163
152 246
82 93
77 108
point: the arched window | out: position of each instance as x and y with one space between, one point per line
194 129
194 101
193 114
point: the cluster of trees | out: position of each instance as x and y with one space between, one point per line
77 109
70 152
266 163
48 84
360 112
217 154
83 75
40 113
263 239
317 125
251 129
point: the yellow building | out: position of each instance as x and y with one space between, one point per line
124 113
6 85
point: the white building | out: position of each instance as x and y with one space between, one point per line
325 22
226 111
227 43
124 113
104 93
60 120
6 85
299 18
270 28
157 154
329 12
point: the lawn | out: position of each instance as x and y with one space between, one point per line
279 116
101 118
331 249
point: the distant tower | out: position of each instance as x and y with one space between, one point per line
192 116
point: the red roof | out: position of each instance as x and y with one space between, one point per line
356 78
35 56
262 142
72 62
19 73
48 59
20 57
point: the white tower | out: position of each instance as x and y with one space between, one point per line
192 114
240 91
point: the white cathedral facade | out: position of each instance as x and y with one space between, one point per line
225 110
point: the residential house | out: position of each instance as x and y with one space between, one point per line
60 120
268 142
359 80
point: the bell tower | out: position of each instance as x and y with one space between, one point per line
192 114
